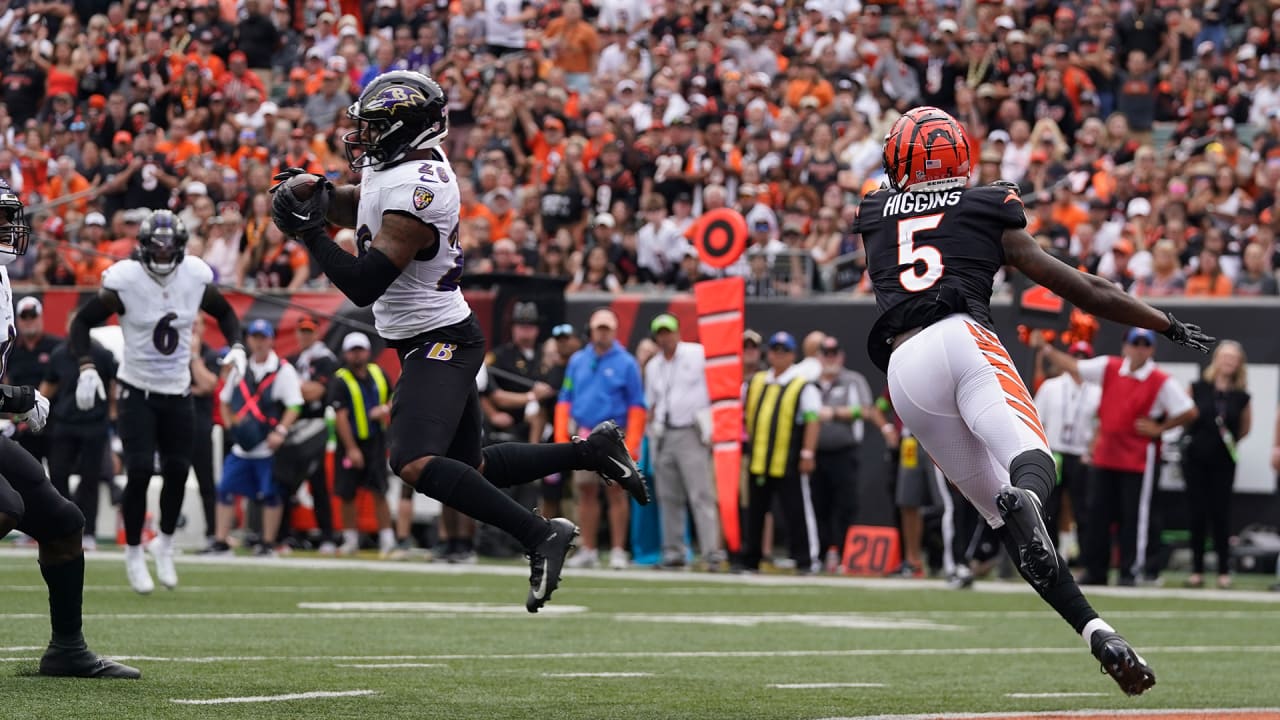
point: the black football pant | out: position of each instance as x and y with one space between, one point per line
835 495
299 462
1114 496
1209 489
79 454
797 511
29 502
151 423
202 466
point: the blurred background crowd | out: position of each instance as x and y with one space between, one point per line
590 136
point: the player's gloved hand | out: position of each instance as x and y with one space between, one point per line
89 389
293 214
1188 335
238 361
36 417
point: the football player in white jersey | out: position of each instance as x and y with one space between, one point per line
28 501
157 295
405 211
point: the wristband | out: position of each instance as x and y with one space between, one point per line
807 454
886 428
855 412
280 429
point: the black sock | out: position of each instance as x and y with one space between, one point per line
464 489
66 594
1064 595
1036 471
507 464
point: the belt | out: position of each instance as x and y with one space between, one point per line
150 393
902 337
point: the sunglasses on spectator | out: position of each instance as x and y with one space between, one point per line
1140 342
830 352
28 315
562 330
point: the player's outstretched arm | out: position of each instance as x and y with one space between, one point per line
365 278
1094 294
96 311
219 309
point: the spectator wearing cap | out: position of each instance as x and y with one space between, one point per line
201 53
846 400
782 413
1138 403
298 154
257 413
29 363
239 79
680 437
546 145
1068 407
144 178
24 82
602 382
359 393
573 45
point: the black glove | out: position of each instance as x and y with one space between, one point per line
1187 335
293 215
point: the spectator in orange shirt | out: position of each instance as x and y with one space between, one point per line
574 46
547 146
125 231
88 263
298 155
1066 211
179 147
239 79
64 183
471 209
201 53
503 211
806 83
1208 280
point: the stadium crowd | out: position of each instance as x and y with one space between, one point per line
590 136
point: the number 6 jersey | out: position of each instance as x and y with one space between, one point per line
933 254
425 296
156 322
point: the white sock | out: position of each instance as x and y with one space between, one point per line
132 552
386 538
164 541
1093 626
351 538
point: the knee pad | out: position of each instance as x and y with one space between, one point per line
1036 471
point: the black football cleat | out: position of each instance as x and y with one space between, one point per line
82 662
1020 510
613 460
546 560
1122 663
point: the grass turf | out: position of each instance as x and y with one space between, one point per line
705 648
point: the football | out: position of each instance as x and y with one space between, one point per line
303 186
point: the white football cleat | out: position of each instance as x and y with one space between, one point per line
135 567
162 550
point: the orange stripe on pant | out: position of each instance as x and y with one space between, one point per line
1016 394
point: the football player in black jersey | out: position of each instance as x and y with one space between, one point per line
933 248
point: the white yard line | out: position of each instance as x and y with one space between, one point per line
823 686
388 666
598 675
691 654
275 565
315 695
416 606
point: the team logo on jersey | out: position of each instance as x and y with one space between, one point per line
441 351
396 97
422 197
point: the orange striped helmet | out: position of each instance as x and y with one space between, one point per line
926 150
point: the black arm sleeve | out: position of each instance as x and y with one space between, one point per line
362 279
95 312
14 399
216 305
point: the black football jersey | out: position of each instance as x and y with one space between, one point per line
932 254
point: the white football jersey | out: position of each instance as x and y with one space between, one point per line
6 320
156 322
425 296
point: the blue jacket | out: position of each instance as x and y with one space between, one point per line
602 387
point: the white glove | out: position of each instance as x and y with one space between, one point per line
89 390
36 417
238 361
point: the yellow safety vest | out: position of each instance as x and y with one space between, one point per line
771 423
358 410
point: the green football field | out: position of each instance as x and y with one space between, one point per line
317 638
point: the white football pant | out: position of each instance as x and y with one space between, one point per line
956 387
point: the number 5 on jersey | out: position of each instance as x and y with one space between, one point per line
908 254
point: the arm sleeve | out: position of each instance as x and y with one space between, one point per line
92 314
361 279
1092 369
217 306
